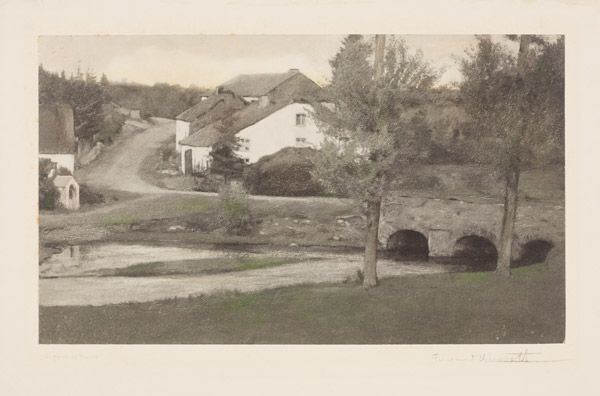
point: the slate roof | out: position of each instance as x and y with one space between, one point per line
257 84
56 129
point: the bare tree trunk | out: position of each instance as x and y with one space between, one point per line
508 223
371 243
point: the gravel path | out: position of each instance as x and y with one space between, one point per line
114 290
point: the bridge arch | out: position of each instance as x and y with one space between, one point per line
407 243
476 251
533 252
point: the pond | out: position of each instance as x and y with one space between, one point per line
112 273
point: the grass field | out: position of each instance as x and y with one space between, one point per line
529 307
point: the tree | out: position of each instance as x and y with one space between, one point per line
48 193
377 128
224 160
516 104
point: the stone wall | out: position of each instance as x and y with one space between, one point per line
444 222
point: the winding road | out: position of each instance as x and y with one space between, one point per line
118 166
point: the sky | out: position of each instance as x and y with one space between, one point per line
209 60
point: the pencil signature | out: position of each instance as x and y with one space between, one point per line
524 356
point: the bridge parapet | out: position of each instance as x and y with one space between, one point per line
443 222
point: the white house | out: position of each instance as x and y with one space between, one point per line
275 114
69 191
57 135
208 110
259 130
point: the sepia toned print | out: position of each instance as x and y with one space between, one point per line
358 189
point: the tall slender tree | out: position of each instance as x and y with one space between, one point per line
376 129
516 104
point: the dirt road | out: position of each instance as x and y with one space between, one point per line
118 166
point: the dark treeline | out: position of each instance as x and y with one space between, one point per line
159 100
96 102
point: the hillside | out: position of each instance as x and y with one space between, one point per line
159 100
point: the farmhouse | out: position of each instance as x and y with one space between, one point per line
265 113
215 107
57 135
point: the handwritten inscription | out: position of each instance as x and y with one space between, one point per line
509 357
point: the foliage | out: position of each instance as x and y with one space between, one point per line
288 172
93 118
224 160
112 122
89 196
48 193
235 206
159 100
377 130
516 104
62 171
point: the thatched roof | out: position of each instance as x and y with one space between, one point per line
256 85
283 89
56 129
231 125
213 107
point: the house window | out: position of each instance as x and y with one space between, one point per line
300 119
300 142
244 144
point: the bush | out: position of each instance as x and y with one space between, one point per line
285 173
48 193
209 183
89 196
62 171
112 123
235 206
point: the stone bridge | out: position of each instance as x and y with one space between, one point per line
443 224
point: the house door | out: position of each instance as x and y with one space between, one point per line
188 162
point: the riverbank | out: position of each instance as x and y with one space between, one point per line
529 307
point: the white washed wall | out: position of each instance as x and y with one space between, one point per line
200 157
182 130
64 160
68 202
277 131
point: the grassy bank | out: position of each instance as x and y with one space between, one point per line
529 307
198 267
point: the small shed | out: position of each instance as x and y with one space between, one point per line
69 191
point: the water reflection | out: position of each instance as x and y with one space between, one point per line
83 259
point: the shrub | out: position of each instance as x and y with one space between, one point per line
285 173
62 171
89 196
48 193
235 206
209 183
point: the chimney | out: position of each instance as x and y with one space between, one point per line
294 71
263 101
